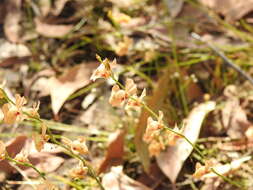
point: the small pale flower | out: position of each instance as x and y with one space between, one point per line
104 70
201 170
77 146
153 127
79 172
117 97
124 46
2 151
136 101
173 137
22 157
33 112
131 88
155 147
41 139
13 113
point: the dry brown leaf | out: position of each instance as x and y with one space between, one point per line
231 9
2 12
172 160
58 7
115 151
45 6
50 30
45 160
12 20
62 87
234 118
174 6
117 180
155 102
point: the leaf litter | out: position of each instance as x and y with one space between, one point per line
138 34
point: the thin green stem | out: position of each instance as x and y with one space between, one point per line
227 179
183 136
42 174
85 163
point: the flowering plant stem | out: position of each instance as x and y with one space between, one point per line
85 163
147 108
25 164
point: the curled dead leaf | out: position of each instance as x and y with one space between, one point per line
114 152
231 9
12 20
172 160
117 180
50 30
62 87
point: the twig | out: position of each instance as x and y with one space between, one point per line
224 57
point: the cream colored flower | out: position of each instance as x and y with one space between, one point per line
14 113
2 151
22 157
153 127
124 46
173 137
104 70
131 88
33 112
41 139
79 172
77 146
201 170
118 96
136 101
156 146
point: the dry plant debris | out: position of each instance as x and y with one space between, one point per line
118 95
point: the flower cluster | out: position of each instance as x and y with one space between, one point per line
41 139
201 170
104 70
80 172
127 95
119 97
78 146
22 157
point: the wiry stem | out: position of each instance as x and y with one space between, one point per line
42 174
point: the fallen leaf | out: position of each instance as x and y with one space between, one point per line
10 50
226 168
13 147
172 160
115 151
117 180
174 6
232 9
46 160
62 87
155 102
12 20
50 30
43 161
2 12
234 118
58 7
45 6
